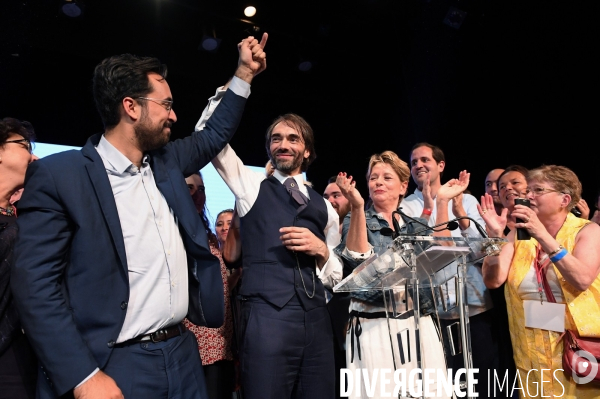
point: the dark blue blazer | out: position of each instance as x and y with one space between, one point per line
70 278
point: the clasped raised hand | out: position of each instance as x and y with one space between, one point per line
253 59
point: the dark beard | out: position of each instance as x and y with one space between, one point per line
150 137
287 167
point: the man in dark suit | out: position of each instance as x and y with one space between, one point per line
110 239
288 233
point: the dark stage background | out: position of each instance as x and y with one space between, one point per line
507 82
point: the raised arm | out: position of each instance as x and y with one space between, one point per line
220 123
445 194
356 238
242 70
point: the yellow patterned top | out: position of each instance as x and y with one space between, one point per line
535 349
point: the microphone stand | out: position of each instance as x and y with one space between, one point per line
450 225
409 252
479 228
461 287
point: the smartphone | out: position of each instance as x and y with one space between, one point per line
522 201
522 234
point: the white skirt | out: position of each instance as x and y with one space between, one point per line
376 356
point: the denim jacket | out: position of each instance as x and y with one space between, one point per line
380 242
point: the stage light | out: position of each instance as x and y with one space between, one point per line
72 8
209 43
455 17
305 66
250 11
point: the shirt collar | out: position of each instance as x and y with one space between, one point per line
371 213
299 180
114 160
283 177
418 193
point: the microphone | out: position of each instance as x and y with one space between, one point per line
386 231
449 225
479 228
404 217
489 248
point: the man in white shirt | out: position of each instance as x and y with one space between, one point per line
112 250
340 203
288 235
427 166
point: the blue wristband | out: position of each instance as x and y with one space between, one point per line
563 252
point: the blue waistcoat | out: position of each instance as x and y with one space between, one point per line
270 269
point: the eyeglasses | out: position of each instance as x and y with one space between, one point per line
166 104
26 144
537 191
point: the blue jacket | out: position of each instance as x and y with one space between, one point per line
70 278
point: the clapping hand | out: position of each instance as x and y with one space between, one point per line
348 188
454 187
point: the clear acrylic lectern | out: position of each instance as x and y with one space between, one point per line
412 262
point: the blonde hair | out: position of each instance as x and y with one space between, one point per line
400 167
561 178
391 158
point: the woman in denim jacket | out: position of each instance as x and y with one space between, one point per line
368 232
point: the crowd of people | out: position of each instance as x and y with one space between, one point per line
114 283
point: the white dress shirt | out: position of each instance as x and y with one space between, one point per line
245 185
156 258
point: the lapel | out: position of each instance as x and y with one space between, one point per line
180 201
106 199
